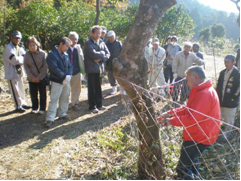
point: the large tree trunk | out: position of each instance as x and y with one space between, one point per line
97 12
131 66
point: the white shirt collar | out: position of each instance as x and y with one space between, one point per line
228 71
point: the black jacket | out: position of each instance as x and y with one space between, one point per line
58 67
91 52
115 50
231 93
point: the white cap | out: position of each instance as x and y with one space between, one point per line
156 41
188 44
110 33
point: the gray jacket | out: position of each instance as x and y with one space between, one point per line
30 68
181 63
115 50
93 51
171 51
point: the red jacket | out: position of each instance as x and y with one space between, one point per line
203 129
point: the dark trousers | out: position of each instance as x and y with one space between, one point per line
168 74
111 79
188 165
34 89
181 86
94 90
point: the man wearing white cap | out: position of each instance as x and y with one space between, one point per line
155 60
13 57
182 61
114 47
149 45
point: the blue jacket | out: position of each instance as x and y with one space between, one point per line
115 50
58 67
91 52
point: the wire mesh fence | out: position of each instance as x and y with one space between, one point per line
220 160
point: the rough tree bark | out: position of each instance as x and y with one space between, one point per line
97 12
131 66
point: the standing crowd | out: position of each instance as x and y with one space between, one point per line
67 62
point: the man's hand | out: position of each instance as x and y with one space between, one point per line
97 60
174 76
171 57
164 121
35 80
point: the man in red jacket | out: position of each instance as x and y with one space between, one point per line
199 119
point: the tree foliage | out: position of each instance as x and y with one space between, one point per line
218 30
47 22
205 34
205 16
175 22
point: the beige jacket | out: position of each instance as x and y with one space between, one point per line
181 63
30 68
81 58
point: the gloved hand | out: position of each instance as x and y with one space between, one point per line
174 76
67 79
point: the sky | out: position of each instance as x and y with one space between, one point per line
224 5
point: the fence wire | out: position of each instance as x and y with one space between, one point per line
219 162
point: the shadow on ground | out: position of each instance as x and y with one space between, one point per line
16 130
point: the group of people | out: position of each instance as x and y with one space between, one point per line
68 61
200 117
62 67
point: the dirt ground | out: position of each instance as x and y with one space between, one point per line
31 151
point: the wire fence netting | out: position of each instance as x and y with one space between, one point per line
220 161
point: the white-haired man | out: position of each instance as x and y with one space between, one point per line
114 47
182 61
76 58
155 59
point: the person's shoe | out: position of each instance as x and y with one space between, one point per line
34 111
114 90
65 118
95 111
48 124
102 108
26 107
41 112
20 110
76 107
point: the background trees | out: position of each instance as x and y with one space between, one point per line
175 22
50 19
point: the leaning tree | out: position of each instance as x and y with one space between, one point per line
131 66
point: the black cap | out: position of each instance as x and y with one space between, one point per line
195 45
17 34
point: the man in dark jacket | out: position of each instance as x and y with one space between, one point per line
95 54
195 49
228 89
237 64
114 46
60 75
